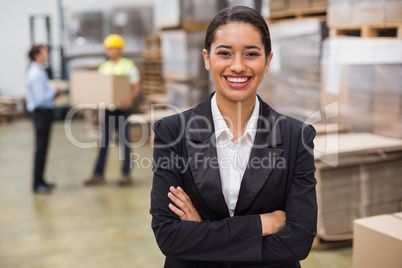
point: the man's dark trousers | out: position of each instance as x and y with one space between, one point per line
42 119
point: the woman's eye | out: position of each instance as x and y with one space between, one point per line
224 53
252 54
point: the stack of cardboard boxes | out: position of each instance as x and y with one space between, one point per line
183 30
357 12
358 175
364 77
292 85
284 5
351 81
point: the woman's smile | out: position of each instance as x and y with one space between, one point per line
237 81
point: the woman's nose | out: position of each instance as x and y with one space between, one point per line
237 65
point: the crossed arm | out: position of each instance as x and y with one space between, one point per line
183 207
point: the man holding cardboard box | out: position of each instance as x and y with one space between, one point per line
116 65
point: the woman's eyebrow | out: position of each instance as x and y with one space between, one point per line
230 47
223 46
250 47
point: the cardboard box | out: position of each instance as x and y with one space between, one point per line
320 3
295 4
277 5
393 11
368 11
377 241
90 87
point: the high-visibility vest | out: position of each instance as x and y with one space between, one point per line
119 68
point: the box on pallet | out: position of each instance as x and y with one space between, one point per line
365 77
285 5
90 87
182 55
133 23
292 85
350 12
175 13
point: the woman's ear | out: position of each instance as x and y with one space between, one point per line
267 62
206 59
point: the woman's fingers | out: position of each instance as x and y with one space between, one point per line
177 211
184 204
180 194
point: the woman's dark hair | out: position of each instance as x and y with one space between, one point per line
35 50
239 14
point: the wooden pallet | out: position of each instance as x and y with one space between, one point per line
390 30
320 244
308 12
5 119
153 87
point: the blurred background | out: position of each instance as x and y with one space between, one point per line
337 65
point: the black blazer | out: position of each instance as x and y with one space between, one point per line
185 156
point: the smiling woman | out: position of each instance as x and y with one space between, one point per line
239 190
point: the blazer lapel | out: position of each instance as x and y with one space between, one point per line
204 166
263 157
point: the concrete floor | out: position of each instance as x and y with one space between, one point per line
76 226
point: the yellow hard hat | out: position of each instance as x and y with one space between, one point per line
113 40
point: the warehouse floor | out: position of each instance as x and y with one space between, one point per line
76 226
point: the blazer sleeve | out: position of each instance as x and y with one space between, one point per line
295 240
236 239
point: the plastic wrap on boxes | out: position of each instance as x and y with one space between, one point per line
174 13
185 95
387 103
292 84
182 55
133 23
364 77
86 31
260 5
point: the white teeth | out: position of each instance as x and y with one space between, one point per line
237 80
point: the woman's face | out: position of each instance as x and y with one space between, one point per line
237 61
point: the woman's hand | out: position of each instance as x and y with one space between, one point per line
184 207
273 222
